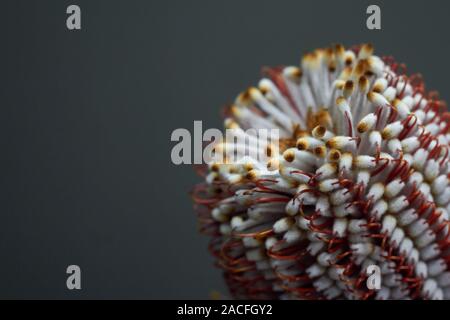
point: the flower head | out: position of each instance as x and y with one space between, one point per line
360 177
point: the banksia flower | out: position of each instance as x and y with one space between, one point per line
359 178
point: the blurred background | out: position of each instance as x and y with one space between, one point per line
86 118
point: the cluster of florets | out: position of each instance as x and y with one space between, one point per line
359 178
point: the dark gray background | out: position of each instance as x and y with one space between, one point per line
86 118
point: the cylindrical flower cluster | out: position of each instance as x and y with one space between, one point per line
359 178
